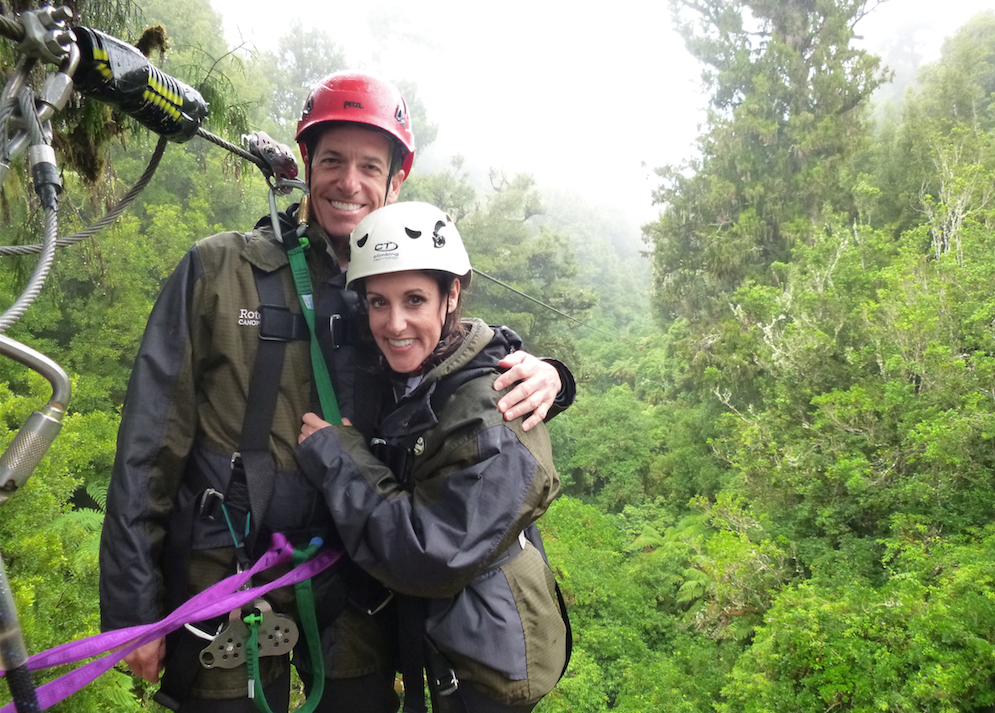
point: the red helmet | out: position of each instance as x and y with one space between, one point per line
359 98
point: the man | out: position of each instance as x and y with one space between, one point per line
183 452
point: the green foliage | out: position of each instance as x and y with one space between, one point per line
302 58
830 371
779 498
611 437
788 96
49 551
921 641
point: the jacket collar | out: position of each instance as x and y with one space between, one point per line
267 253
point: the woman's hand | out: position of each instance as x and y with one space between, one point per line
146 661
312 423
539 383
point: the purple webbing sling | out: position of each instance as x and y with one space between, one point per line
216 601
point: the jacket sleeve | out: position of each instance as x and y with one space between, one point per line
568 389
568 386
485 484
154 440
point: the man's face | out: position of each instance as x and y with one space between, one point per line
349 178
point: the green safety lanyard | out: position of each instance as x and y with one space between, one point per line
305 293
297 245
305 611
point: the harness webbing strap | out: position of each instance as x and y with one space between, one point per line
411 642
304 597
305 293
213 602
257 466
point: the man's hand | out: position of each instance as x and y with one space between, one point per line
538 385
312 423
146 661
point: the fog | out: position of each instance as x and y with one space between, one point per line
585 101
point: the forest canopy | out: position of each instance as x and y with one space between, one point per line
779 473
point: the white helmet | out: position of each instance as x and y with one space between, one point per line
406 236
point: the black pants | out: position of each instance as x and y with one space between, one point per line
373 693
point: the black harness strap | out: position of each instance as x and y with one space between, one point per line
253 475
411 647
250 486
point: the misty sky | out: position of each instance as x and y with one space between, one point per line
589 101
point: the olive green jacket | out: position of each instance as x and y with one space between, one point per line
181 425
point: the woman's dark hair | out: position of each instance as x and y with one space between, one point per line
453 331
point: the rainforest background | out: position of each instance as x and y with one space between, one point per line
779 474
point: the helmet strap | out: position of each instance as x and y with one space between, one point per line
390 173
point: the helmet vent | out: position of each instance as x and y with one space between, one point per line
362 241
413 234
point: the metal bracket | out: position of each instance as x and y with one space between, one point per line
278 634
280 163
45 34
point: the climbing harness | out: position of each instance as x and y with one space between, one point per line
242 506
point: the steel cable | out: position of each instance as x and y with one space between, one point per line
109 218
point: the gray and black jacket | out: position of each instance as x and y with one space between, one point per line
454 534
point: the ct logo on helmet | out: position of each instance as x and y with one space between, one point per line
437 239
385 247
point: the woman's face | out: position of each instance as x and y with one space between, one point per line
406 316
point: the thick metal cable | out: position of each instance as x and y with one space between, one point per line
11 29
228 146
109 218
35 135
38 277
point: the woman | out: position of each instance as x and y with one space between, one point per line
445 516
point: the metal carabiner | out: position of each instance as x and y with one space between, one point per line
47 38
